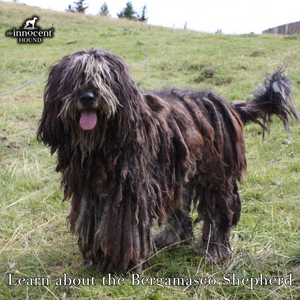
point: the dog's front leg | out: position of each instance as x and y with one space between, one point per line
220 211
113 237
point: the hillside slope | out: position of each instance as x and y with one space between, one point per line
34 239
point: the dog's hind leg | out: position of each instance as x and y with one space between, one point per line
179 228
220 211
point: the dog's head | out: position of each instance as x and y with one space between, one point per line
84 90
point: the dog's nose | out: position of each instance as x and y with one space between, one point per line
87 98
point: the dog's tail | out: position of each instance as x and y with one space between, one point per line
273 99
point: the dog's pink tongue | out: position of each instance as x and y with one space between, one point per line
88 119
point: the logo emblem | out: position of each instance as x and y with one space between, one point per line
30 33
29 24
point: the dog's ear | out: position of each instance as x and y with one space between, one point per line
51 128
155 102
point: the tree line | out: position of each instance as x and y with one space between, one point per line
127 12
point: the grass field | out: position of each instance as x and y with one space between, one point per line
34 238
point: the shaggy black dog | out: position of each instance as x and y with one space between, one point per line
129 157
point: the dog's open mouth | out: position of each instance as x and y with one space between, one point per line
88 119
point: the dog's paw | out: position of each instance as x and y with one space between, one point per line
213 252
88 263
169 238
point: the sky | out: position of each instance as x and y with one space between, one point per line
230 16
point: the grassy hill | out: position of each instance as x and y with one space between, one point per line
34 238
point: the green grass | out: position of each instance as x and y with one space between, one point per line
34 238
